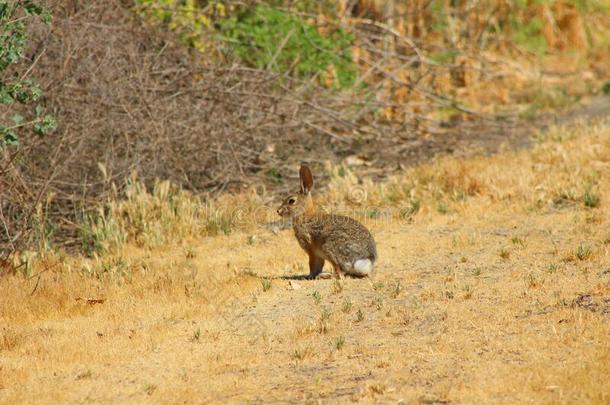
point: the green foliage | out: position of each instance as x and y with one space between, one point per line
267 38
266 283
444 56
437 7
274 174
99 233
590 198
311 7
13 88
583 252
189 19
529 35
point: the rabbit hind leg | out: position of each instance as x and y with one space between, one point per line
339 273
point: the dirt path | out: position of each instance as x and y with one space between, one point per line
472 138
443 322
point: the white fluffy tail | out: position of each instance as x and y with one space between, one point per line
363 267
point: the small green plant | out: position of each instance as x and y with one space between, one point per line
189 252
274 174
324 324
266 283
396 290
467 291
504 253
99 233
268 38
590 199
378 285
341 172
325 314
359 316
317 298
477 271
220 224
84 375
458 195
300 354
373 213
340 342
149 389
347 306
517 241
583 252
552 268
378 303
196 335
441 208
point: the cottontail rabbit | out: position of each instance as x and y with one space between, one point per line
341 240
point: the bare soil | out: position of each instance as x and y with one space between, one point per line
469 138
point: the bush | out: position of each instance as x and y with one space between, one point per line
267 38
189 19
15 88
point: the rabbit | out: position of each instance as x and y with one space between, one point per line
344 242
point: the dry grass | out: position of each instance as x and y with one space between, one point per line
503 296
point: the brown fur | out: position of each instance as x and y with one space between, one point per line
340 240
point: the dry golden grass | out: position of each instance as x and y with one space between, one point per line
493 285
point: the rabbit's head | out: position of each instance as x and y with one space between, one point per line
299 204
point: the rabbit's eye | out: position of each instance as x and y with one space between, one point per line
291 200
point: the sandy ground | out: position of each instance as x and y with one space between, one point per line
445 319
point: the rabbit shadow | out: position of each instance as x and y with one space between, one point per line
300 277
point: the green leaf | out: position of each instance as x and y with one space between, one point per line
46 17
13 39
32 8
3 10
5 96
17 119
38 129
48 122
10 138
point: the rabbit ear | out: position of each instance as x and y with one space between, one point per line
306 179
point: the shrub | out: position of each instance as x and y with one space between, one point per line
264 37
187 18
16 88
